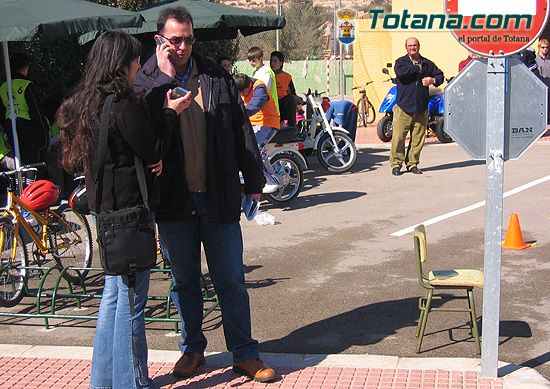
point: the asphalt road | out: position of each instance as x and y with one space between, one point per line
329 277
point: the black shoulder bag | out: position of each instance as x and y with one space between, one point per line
126 237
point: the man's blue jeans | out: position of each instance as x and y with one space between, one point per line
114 364
223 246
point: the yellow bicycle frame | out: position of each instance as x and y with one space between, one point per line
14 204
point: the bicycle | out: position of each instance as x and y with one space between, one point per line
59 232
367 113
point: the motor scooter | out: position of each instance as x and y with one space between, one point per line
333 147
436 112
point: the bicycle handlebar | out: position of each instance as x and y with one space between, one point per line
315 93
362 86
25 168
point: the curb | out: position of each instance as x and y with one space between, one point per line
514 376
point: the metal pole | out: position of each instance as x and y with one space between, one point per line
341 63
497 83
341 72
11 107
335 32
278 12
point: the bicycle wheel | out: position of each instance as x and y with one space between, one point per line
370 112
362 112
71 241
13 263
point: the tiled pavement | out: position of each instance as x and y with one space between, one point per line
38 367
41 373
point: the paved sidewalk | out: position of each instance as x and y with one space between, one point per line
37 367
367 136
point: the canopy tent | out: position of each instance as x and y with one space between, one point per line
21 20
212 21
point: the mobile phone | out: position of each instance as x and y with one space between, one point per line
179 91
250 207
159 40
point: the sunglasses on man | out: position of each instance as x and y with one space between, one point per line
178 40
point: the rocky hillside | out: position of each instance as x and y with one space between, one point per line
359 5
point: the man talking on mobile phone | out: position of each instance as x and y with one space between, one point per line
200 199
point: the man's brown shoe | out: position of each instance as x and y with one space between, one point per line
188 364
255 369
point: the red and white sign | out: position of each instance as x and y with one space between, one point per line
497 27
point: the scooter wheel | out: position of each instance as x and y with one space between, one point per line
331 160
384 130
291 175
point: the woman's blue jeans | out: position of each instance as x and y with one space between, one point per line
116 362
223 246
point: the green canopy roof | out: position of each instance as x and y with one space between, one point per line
213 21
21 20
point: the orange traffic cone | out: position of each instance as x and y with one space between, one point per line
514 237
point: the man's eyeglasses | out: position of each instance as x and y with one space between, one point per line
177 41
544 47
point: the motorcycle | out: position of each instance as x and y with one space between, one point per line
436 112
333 147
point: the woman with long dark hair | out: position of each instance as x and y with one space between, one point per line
120 348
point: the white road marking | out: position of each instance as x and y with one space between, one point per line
460 211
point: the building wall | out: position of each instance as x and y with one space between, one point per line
311 74
373 49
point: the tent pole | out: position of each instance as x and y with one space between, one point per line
11 107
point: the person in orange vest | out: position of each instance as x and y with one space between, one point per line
264 117
32 125
285 89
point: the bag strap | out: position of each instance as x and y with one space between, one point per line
102 155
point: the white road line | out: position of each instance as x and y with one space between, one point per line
460 211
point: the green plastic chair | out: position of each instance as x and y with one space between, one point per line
436 280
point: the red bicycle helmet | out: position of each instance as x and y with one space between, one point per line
78 200
40 195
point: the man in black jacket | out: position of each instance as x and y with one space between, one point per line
414 76
200 193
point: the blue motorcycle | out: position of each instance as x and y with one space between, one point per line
436 109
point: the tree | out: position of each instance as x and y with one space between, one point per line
130 5
303 33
